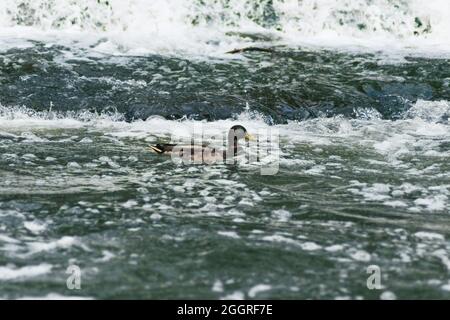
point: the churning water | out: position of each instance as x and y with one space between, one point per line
358 90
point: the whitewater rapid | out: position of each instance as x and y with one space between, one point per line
140 27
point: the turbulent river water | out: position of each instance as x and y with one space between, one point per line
359 92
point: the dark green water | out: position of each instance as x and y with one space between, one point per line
363 176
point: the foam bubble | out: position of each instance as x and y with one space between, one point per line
230 234
63 243
34 226
254 291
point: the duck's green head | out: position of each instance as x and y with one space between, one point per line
240 132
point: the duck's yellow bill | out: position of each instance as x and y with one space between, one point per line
248 136
156 149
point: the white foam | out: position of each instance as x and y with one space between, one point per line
334 248
430 111
138 27
360 255
63 243
230 234
218 286
280 239
7 239
443 255
429 235
310 246
446 287
385 136
433 203
107 256
12 272
281 215
34 226
388 295
237 295
130 204
254 291
54 296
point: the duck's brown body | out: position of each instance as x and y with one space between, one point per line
201 153
205 153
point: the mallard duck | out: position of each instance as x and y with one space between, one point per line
208 154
